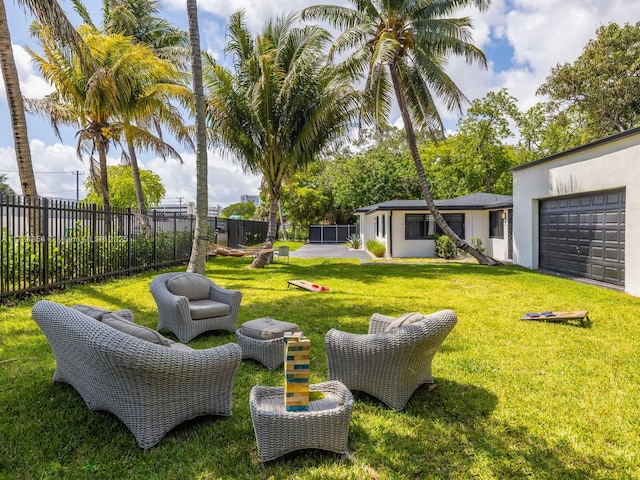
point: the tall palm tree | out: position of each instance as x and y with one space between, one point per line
402 47
281 106
126 75
200 238
49 13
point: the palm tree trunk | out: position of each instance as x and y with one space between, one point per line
284 230
142 208
272 230
422 177
18 120
200 239
103 182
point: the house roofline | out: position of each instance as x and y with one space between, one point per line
603 141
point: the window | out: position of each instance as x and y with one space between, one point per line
423 226
384 229
496 224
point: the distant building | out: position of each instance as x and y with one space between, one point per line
250 198
186 209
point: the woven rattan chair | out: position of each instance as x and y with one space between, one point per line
388 364
195 305
149 387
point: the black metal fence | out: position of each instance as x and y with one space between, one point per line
331 233
46 243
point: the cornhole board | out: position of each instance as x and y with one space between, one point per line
550 316
306 285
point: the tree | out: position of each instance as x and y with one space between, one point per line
603 82
245 209
384 171
122 190
201 239
149 108
281 106
97 101
402 46
5 189
48 13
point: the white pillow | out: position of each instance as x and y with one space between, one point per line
405 319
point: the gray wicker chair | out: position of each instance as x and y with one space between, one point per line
389 365
149 387
190 310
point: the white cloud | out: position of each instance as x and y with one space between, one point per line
31 83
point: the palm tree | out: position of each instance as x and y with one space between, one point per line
127 75
282 105
138 20
402 47
48 13
200 239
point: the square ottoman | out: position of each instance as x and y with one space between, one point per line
262 339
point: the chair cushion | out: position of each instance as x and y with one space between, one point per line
99 313
179 346
267 328
200 309
405 319
93 312
135 330
190 285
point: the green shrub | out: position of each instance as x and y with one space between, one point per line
476 242
445 247
354 241
376 247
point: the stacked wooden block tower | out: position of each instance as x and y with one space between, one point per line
296 372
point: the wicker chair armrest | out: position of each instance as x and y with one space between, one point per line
223 295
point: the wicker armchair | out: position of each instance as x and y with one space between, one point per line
151 388
190 304
388 364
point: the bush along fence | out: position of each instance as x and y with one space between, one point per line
48 243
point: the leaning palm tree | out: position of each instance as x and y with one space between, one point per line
402 47
281 106
200 238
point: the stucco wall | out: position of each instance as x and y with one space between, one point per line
476 225
602 167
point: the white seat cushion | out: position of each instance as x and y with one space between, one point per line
208 309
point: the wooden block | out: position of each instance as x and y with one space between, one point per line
296 370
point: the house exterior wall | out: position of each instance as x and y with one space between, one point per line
396 246
608 166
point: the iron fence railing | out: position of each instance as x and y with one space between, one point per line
331 233
48 243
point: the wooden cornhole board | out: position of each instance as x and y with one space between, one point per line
306 285
558 316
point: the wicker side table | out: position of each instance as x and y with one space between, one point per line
325 426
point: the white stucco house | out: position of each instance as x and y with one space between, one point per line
407 229
570 212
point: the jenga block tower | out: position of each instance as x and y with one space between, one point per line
296 371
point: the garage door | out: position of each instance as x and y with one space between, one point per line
583 236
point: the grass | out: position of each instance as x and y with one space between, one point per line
515 399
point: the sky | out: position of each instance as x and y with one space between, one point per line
522 40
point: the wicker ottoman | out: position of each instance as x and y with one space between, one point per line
324 426
262 340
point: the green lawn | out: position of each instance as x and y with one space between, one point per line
515 399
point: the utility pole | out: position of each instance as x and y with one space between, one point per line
180 207
77 173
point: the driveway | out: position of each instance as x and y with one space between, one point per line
328 250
